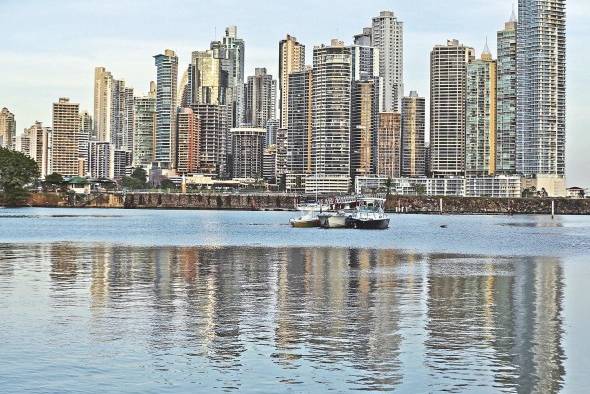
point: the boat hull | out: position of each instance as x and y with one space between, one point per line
371 224
305 223
333 221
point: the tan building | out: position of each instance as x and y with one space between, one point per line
38 146
363 127
291 59
413 135
389 145
7 128
187 138
66 136
103 81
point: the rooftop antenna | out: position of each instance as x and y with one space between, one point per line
513 15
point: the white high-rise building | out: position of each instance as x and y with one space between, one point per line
167 79
388 37
541 87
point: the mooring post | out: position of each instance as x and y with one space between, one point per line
552 209
440 203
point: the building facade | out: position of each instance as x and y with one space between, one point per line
506 99
38 143
541 89
99 159
260 94
66 137
166 83
387 36
187 139
7 128
363 130
210 139
413 136
480 132
389 136
448 84
103 86
144 129
247 152
291 59
332 79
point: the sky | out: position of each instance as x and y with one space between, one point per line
50 48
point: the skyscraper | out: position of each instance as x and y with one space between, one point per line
332 78
100 159
389 145
38 143
260 99
413 135
247 152
144 128
506 99
300 128
103 81
210 139
448 76
209 83
387 35
480 132
66 137
291 59
187 139
86 134
541 91
363 130
167 74
7 128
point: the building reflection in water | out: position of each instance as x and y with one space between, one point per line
483 321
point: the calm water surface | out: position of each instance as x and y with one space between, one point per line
188 301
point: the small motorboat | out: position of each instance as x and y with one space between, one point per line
370 215
309 216
337 218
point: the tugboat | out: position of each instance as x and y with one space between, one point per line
370 215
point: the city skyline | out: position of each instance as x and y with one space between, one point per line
262 52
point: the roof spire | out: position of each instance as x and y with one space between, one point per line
486 54
513 15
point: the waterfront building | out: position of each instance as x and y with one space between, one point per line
103 83
187 138
387 37
166 83
300 128
448 82
541 89
86 133
389 145
144 128
120 163
506 99
332 80
37 147
66 137
502 186
291 59
259 99
413 135
269 164
7 128
480 131
271 131
210 138
363 131
247 152
99 159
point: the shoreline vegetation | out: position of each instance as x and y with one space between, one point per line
289 202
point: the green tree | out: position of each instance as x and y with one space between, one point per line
388 184
54 181
139 174
167 184
420 189
129 182
16 171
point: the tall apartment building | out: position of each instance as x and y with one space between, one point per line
66 137
480 132
144 128
541 91
100 159
38 144
413 136
103 86
269 164
86 134
271 131
166 83
291 59
209 83
389 137
210 139
120 163
365 38
247 152
260 95
332 79
363 130
300 127
387 35
281 156
187 140
506 99
7 128
448 84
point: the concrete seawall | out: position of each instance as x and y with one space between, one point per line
402 204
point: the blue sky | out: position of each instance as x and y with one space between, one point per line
50 48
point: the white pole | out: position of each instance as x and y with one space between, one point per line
552 209
441 205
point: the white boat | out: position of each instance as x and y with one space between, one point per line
339 217
309 216
370 214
